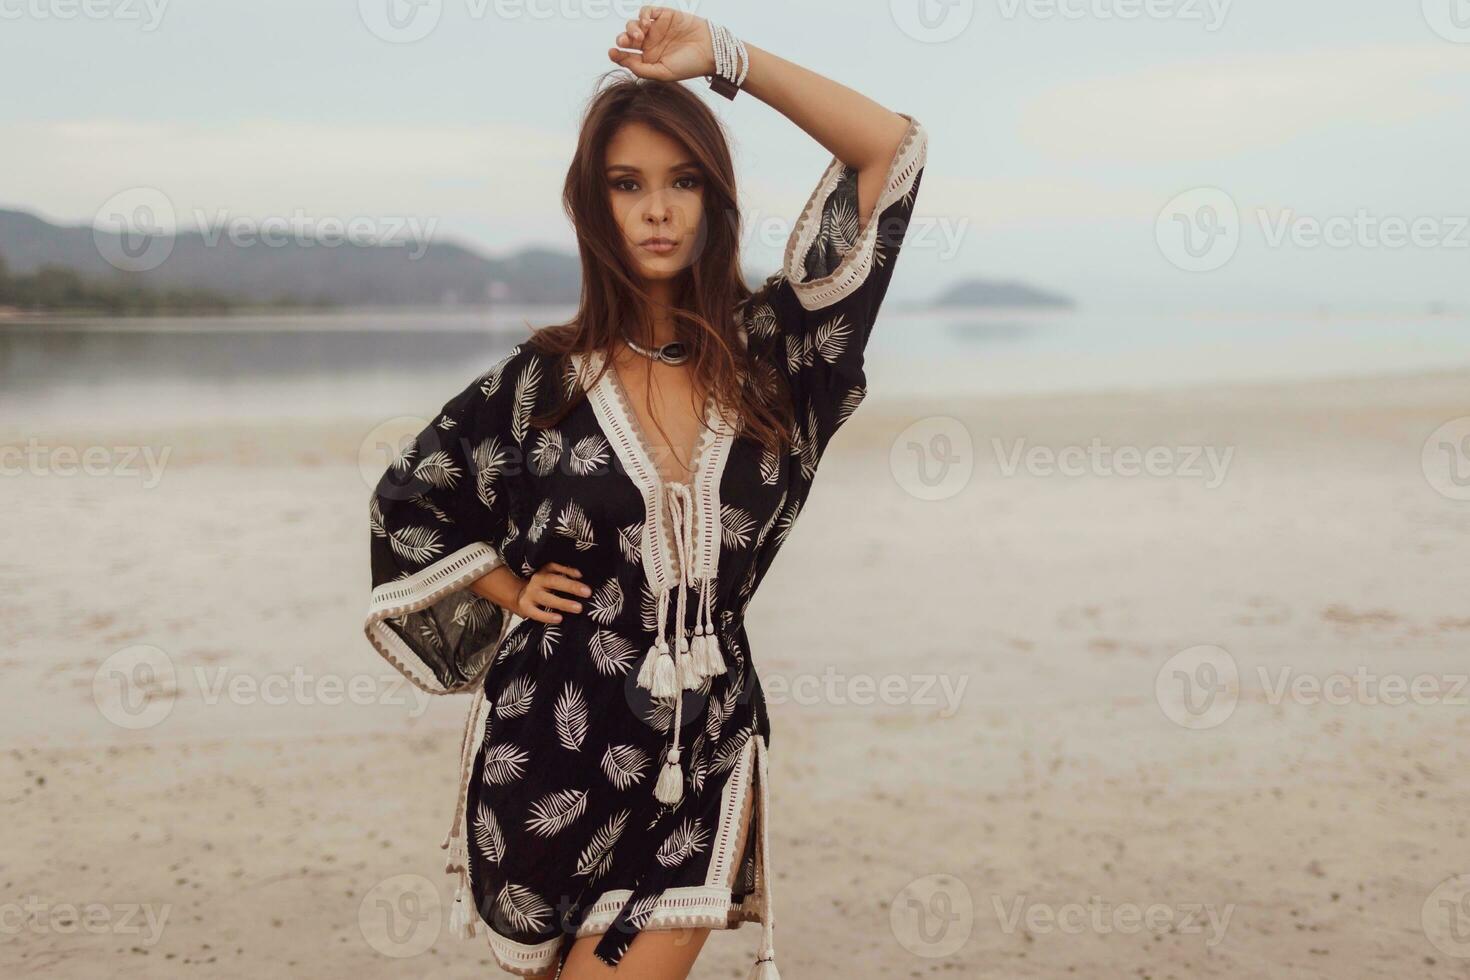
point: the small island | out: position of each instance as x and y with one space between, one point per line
977 293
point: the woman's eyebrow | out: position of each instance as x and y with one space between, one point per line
630 168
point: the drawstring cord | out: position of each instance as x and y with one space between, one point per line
765 964
461 919
671 668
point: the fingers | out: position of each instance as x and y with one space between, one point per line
557 566
563 584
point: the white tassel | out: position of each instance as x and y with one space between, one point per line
650 663
690 676
665 675
670 786
714 658
461 922
765 969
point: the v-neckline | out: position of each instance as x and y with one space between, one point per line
625 403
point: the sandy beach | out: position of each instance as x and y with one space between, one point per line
1208 720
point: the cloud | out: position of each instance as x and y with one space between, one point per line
1220 108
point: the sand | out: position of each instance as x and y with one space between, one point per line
977 771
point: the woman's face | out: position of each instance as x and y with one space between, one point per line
656 192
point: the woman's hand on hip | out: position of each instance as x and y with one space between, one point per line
669 45
542 593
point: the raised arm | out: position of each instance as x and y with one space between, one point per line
672 45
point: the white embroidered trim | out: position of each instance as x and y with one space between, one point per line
857 262
419 591
623 430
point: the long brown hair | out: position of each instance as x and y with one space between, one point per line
707 293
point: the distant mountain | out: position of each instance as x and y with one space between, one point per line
971 293
344 274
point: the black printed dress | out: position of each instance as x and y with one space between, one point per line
608 759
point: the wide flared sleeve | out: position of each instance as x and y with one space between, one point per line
817 313
442 516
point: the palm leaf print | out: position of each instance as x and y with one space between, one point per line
611 654
607 602
490 380
648 608
573 523
513 645
546 453
698 766
420 544
798 353
841 223
445 422
557 811
438 470
525 401
504 763
523 909
714 718
540 521
762 321
830 339
589 455
405 456
642 910
849 403
787 521
550 636
375 518
488 837
488 458
571 718
596 857
729 751
516 699
770 467
630 542
760 538
474 613
736 526
660 715
624 765
686 841
432 508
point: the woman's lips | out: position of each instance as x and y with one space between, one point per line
659 246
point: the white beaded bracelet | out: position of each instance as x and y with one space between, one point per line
732 62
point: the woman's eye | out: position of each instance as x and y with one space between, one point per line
688 183
626 184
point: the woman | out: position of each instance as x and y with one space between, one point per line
614 772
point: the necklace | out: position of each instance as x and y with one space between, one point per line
674 352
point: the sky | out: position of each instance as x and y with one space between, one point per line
1254 155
